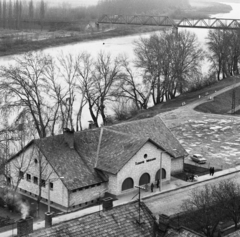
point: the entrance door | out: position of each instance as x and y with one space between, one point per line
158 174
145 179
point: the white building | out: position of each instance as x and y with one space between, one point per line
113 158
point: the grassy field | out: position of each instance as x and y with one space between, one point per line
222 104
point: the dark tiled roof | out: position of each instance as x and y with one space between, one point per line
155 129
92 154
119 221
116 149
75 165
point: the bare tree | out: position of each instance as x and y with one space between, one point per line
26 85
104 78
202 212
83 83
130 87
4 13
42 12
224 52
31 10
168 63
68 70
227 195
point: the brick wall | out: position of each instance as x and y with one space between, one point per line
29 162
134 169
177 165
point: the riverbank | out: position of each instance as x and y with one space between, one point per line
24 42
18 42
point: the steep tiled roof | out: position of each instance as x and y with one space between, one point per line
75 165
155 129
119 221
116 149
82 157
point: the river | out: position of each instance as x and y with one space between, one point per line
120 45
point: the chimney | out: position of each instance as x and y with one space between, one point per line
155 227
48 219
91 124
69 137
107 203
25 226
164 221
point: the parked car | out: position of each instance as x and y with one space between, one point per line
198 159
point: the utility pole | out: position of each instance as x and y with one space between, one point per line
139 203
233 97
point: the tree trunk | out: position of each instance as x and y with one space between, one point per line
94 118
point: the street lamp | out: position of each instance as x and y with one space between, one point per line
51 180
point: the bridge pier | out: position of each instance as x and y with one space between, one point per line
175 31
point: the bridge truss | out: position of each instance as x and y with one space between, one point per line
208 23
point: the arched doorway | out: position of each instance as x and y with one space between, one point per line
158 174
145 179
127 184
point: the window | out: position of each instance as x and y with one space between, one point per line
151 159
43 183
28 177
51 185
35 161
35 180
145 156
21 175
139 163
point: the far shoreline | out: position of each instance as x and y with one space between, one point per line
21 47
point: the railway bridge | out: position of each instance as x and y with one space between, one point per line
165 21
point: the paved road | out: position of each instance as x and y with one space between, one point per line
170 203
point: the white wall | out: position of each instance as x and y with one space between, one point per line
87 195
26 161
135 171
177 165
